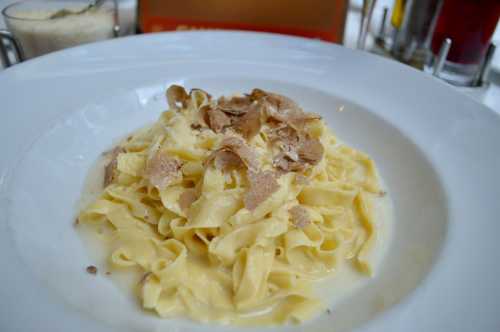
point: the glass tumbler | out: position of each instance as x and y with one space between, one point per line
470 25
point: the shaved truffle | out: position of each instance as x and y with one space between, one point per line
280 101
262 185
283 163
290 151
297 149
249 124
294 117
283 109
110 169
145 278
215 119
233 153
188 197
298 120
300 216
285 133
278 108
311 150
235 105
287 139
227 160
177 97
195 126
238 146
245 114
109 172
257 94
161 170
91 269
311 116
296 158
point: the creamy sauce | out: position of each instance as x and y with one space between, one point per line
339 285
99 252
346 280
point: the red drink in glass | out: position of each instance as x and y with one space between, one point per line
469 24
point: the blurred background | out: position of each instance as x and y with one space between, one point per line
453 40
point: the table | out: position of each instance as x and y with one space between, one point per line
489 96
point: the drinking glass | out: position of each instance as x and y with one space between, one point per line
469 24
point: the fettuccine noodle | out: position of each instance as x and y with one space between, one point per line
234 208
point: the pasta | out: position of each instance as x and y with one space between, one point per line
232 208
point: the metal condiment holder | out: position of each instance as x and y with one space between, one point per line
9 44
13 46
386 47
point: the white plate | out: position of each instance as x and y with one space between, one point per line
437 150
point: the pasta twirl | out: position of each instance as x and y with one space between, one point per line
233 208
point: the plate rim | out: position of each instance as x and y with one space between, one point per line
47 59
